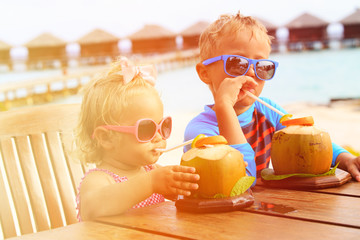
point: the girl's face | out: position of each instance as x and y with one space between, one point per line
127 152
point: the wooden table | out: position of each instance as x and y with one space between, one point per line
90 231
332 213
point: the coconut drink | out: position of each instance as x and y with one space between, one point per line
220 166
301 147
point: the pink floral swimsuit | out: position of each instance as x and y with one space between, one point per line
153 199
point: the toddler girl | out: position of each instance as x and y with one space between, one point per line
121 125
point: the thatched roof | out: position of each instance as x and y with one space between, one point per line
45 40
97 36
195 29
267 24
151 32
353 18
306 20
4 46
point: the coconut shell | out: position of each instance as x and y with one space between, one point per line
301 149
219 167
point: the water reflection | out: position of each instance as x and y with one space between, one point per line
271 207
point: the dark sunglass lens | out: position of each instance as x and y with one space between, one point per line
236 66
146 130
166 128
265 69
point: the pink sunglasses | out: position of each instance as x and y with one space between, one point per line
145 129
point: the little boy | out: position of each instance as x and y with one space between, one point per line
234 53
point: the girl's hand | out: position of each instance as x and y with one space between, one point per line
174 180
229 91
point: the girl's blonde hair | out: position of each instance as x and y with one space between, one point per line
228 26
105 99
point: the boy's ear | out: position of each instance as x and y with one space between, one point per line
104 138
203 73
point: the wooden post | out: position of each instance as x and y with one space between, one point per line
7 102
48 96
29 97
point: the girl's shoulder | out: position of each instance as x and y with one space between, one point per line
99 173
96 173
97 177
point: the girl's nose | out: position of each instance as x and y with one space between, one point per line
157 137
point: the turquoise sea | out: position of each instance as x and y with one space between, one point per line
313 76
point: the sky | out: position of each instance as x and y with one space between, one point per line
23 20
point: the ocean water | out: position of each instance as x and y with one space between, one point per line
313 76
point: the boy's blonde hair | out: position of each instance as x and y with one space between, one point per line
228 26
105 99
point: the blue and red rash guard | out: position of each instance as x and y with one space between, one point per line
258 123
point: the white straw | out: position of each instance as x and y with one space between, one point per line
169 149
261 101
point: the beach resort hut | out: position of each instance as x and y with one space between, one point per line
153 39
192 34
45 50
271 28
306 30
5 58
98 45
351 25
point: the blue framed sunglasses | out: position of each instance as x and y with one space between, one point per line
235 65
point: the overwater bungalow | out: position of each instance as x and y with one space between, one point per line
307 32
98 46
192 34
45 50
153 39
5 58
351 25
271 28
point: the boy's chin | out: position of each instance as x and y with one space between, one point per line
243 103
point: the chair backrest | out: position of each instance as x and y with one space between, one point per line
38 177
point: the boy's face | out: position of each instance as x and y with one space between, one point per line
242 44
128 152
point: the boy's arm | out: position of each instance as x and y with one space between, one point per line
228 123
226 96
249 157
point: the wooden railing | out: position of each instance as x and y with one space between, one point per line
69 84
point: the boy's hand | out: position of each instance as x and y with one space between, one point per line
229 91
174 180
350 163
353 167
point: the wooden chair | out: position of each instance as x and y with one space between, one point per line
38 177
